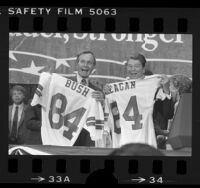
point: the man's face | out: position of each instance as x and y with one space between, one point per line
17 97
135 70
85 65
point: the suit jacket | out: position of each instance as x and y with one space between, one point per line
84 138
30 131
163 111
20 121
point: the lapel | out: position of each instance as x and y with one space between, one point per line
90 85
74 78
22 116
10 116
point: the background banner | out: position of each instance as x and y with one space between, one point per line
33 53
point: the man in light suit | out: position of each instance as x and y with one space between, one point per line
16 113
86 63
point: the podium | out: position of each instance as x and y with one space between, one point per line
76 150
180 135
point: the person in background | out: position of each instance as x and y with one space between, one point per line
179 84
30 133
16 113
164 110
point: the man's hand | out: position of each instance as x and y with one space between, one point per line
98 95
107 139
106 89
164 132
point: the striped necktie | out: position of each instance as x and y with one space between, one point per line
83 82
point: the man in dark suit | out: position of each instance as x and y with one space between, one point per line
30 131
16 113
85 63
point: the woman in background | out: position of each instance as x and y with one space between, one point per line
179 84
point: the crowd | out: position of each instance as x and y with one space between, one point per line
25 120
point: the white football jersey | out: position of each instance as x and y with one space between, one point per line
67 107
130 108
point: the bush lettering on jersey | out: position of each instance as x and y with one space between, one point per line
77 87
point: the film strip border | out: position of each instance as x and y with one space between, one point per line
87 24
95 170
106 20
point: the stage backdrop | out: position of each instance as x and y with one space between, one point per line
32 53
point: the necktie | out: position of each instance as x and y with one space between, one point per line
14 126
83 82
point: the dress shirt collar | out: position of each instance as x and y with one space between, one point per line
20 105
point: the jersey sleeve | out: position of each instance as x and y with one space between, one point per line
112 122
41 92
95 120
108 116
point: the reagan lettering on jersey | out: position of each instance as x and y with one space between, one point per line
77 87
121 86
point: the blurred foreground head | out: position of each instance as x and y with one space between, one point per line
136 149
